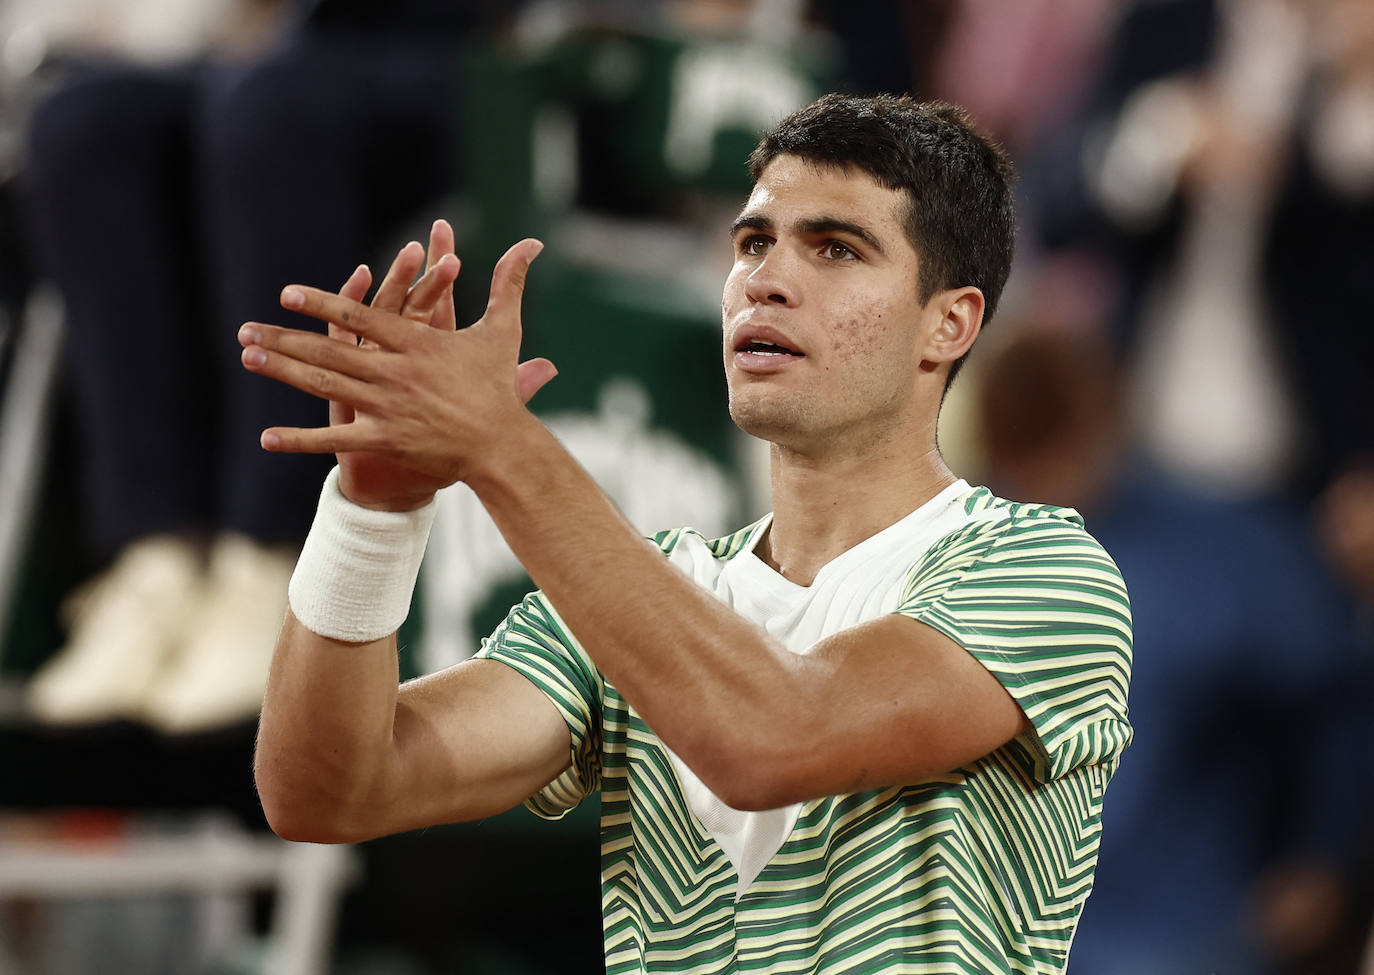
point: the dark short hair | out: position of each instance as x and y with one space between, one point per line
960 219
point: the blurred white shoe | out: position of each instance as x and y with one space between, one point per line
220 674
123 627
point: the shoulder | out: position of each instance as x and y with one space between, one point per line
689 541
1012 558
998 530
994 513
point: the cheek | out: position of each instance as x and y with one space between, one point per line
859 332
732 295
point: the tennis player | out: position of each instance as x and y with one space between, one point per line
869 733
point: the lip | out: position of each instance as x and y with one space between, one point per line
764 362
750 334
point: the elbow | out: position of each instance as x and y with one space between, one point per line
752 775
302 815
305 823
755 790
296 824
752 797
290 818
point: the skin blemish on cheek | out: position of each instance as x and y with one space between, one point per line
852 336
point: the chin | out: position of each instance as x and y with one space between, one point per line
754 419
768 420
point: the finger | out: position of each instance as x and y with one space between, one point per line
341 413
429 293
320 440
508 282
445 316
315 380
316 350
532 376
357 284
441 242
388 330
391 293
355 288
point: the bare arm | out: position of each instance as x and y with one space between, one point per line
888 702
343 755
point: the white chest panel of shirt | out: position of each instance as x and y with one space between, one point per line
861 584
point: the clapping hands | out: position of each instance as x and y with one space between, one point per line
415 404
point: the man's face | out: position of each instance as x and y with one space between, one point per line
820 312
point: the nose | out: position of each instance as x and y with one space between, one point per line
770 282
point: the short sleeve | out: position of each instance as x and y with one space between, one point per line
535 642
1043 607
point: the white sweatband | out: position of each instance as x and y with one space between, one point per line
357 571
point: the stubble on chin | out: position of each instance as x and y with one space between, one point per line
768 416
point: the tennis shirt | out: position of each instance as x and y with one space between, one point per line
982 870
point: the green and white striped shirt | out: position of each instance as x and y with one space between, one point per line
982 870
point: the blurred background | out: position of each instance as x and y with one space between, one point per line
1184 354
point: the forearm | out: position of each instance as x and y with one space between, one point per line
706 679
326 754
326 733
344 753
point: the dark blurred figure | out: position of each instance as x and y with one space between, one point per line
169 205
1236 812
887 45
1225 165
1222 175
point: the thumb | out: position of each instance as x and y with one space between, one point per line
508 280
531 377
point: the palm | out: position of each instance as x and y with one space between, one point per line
379 479
372 477
397 419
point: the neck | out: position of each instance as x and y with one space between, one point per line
825 505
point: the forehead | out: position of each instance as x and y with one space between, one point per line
791 188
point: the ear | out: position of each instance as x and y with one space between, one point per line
958 317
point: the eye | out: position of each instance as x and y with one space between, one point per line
755 246
835 250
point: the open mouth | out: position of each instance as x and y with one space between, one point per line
768 349
762 349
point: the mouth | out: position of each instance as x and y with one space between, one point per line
760 347
761 353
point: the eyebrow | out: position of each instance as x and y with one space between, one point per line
809 227
750 221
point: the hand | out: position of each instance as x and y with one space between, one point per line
369 477
417 403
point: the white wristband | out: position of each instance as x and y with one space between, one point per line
357 571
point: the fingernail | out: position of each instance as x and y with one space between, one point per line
292 298
254 356
248 335
270 441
